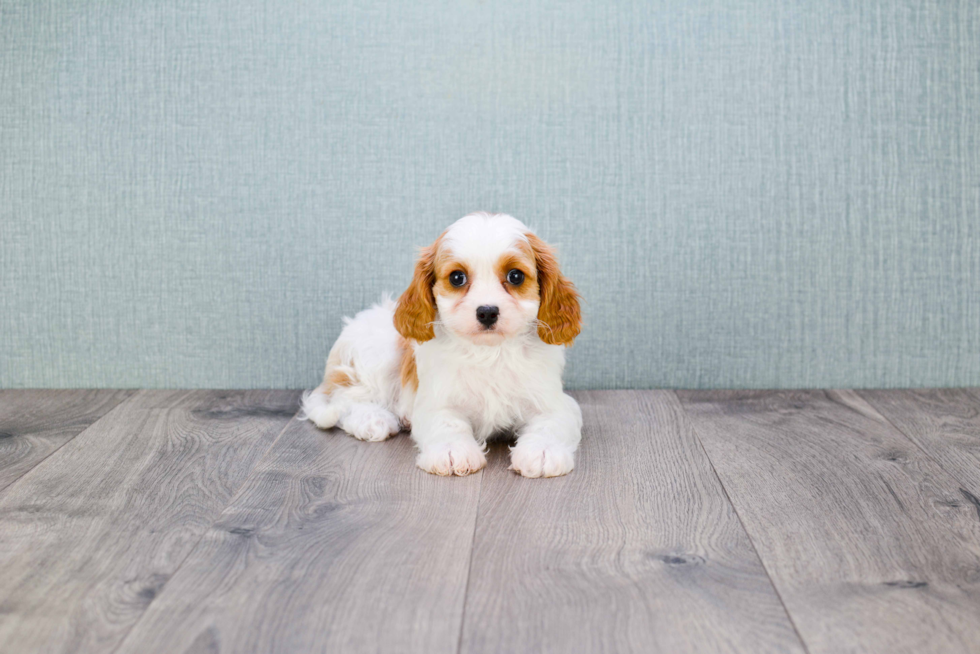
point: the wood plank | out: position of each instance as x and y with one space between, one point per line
637 550
866 538
91 535
945 423
333 545
35 423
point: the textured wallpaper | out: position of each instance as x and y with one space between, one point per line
748 194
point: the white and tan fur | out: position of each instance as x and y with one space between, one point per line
428 363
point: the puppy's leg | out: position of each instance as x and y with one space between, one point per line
366 421
325 404
320 409
369 422
546 444
360 388
446 444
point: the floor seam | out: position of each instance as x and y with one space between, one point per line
906 436
204 533
772 582
58 449
469 567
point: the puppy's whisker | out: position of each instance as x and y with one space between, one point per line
538 323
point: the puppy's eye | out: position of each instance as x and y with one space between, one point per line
515 277
457 278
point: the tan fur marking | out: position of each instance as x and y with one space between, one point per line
339 377
446 264
522 260
409 374
337 374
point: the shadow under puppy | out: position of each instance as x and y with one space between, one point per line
474 347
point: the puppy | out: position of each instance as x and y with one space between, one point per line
474 347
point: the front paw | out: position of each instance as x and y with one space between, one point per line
542 459
459 457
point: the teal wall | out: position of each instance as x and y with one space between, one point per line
748 194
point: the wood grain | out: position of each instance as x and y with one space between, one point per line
92 534
333 545
35 423
866 538
638 550
945 423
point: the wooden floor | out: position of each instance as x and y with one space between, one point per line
212 521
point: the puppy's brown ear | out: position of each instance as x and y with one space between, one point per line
416 310
559 316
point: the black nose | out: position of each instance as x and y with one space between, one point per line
487 315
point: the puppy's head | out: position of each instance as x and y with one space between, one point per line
488 278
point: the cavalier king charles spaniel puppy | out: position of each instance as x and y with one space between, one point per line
473 348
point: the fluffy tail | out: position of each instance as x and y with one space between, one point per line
318 409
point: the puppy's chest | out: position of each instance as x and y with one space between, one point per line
495 393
